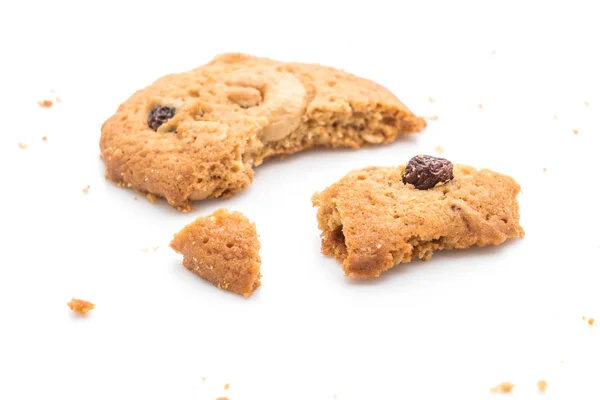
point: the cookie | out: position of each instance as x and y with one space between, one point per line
378 217
222 248
198 134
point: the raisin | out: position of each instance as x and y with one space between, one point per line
424 172
159 115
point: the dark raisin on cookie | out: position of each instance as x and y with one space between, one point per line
159 115
424 172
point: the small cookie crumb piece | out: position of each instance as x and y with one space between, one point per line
585 103
222 248
45 103
44 138
545 169
480 106
222 398
151 198
22 146
226 386
135 197
203 379
591 321
439 149
80 306
86 189
542 386
431 99
555 116
504 387
575 131
432 118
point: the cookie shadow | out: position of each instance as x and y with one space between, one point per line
447 259
335 152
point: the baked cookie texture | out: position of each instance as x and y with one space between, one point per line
222 248
216 122
371 221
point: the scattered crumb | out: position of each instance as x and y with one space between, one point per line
135 197
431 99
585 103
555 116
575 131
203 379
504 387
44 138
222 398
45 103
480 106
432 118
542 386
22 146
226 386
545 169
151 198
80 306
439 149
591 321
58 100
86 189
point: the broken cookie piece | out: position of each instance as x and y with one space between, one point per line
199 134
81 307
372 220
222 248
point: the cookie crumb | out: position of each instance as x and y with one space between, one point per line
135 197
203 379
575 131
439 149
22 146
226 386
58 100
45 103
542 386
80 306
44 138
590 321
222 398
431 99
585 103
151 198
545 169
480 106
86 189
432 118
504 387
555 116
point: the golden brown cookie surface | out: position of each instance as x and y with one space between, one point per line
222 248
197 134
372 221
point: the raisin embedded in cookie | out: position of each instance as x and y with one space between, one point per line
222 248
198 134
375 218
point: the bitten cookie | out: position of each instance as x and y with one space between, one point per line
375 218
222 248
197 134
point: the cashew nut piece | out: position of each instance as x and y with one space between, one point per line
284 99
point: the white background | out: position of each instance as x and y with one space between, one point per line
449 328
